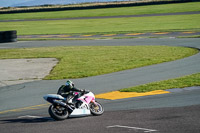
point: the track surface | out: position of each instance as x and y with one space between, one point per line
174 112
105 36
169 120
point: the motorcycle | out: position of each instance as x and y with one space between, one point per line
60 109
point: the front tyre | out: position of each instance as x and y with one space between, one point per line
58 112
96 109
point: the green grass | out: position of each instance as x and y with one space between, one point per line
136 10
181 82
114 25
53 39
84 61
194 36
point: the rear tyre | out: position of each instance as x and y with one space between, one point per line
58 112
96 109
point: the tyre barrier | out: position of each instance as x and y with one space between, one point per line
8 36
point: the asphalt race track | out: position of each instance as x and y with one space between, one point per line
23 109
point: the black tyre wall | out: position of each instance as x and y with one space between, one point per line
8 36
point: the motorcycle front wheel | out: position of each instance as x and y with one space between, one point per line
96 109
58 112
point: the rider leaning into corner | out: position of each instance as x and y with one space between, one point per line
68 88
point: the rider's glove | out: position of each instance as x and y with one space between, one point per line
83 91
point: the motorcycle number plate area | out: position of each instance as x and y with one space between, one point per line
80 112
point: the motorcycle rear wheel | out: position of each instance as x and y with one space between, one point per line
57 113
96 110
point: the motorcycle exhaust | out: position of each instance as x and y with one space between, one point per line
63 104
60 103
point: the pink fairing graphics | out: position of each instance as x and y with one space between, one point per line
87 98
76 93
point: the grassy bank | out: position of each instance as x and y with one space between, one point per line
114 25
111 26
136 10
84 61
181 82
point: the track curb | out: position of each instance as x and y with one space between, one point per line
114 95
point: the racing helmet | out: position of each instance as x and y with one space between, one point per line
70 84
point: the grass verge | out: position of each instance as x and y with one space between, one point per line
135 10
84 61
112 26
53 39
194 36
181 82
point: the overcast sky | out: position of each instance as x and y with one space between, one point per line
6 3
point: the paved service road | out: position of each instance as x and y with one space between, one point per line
175 112
187 42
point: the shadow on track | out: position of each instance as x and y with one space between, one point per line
34 120
28 120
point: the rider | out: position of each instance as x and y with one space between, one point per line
65 90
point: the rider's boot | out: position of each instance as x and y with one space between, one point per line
78 104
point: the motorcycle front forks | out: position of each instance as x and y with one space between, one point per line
94 103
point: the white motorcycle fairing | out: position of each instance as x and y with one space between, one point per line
81 111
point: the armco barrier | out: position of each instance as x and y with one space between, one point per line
8 36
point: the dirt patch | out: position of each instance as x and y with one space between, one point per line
14 71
